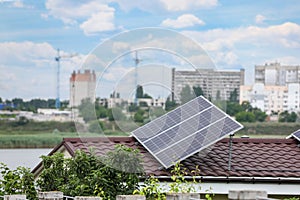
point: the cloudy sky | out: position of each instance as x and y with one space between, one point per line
235 34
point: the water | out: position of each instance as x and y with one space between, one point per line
22 157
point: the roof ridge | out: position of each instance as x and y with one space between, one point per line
260 140
100 138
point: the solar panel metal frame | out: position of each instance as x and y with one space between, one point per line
295 134
197 114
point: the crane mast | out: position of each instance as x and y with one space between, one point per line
57 100
57 59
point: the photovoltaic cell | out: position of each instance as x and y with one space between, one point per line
185 131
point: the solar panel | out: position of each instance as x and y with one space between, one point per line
295 134
185 131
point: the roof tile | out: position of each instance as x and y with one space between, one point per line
250 157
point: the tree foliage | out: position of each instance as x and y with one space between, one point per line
287 117
86 109
170 105
198 91
186 94
86 174
139 92
232 108
139 116
18 181
96 126
259 115
218 95
234 96
115 114
245 117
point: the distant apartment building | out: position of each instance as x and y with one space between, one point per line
277 74
117 101
214 83
82 86
276 88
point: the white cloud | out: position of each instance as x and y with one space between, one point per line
145 5
20 4
186 20
259 19
248 46
284 35
93 16
179 5
102 21
28 70
119 47
27 53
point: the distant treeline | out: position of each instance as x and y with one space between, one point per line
269 128
31 105
27 126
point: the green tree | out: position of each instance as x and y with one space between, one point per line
18 102
139 92
133 107
198 91
234 96
259 115
218 95
170 105
22 121
86 109
246 106
156 112
18 181
54 174
86 174
101 111
233 108
292 117
287 117
186 94
96 126
115 114
147 96
245 117
139 116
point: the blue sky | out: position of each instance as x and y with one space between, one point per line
235 34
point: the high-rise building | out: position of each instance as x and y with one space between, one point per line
277 74
272 98
276 88
82 86
214 83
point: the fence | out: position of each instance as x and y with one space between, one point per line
233 195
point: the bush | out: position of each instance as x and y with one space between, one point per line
96 126
86 174
245 117
19 181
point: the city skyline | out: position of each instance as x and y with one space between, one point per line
234 36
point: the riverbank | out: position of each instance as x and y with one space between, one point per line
35 137
43 140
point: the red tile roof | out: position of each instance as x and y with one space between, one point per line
265 158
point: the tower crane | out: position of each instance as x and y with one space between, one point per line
57 59
136 61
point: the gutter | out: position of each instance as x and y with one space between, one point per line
228 179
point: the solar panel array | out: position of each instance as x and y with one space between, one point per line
295 134
185 131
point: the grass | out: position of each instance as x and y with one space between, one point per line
49 134
269 128
43 140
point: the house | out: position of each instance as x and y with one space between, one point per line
272 165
